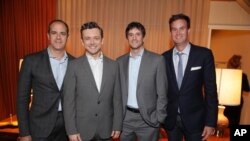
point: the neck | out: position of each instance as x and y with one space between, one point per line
181 47
57 54
95 56
136 52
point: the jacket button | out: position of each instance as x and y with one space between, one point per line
96 115
98 102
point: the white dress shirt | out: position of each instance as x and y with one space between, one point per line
96 66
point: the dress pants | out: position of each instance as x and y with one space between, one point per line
179 132
57 134
136 129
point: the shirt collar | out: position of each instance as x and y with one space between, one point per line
65 56
185 51
92 58
139 55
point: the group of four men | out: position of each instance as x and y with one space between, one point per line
93 98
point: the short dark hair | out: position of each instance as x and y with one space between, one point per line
91 25
137 25
58 21
178 17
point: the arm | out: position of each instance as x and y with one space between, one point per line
162 87
23 97
117 102
210 90
69 94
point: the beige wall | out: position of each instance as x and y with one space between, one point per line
231 35
228 13
225 43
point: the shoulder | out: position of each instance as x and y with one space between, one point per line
36 56
109 60
123 57
200 49
168 54
70 56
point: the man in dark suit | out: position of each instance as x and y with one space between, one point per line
144 88
92 97
190 71
43 72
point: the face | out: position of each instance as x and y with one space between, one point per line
58 36
135 38
179 32
92 41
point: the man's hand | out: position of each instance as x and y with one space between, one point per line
24 138
115 134
75 137
207 132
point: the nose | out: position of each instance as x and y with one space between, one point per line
92 41
134 37
58 36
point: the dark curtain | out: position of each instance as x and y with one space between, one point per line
23 26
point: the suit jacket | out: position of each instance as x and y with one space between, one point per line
151 86
36 74
197 109
86 111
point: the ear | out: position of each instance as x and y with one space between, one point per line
82 42
102 41
48 36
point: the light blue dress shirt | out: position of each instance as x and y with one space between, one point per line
185 56
134 67
59 69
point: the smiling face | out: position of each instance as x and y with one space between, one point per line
135 38
58 36
179 33
92 41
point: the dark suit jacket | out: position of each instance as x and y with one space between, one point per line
151 86
36 74
86 111
197 109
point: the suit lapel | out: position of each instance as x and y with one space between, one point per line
172 69
88 70
188 67
104 73
52 78
143 67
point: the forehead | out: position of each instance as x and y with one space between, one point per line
134 30
179 22
91 32
57 25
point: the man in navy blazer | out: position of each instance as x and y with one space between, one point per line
43 72
192 105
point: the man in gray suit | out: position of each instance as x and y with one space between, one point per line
144 88
43 72
92 97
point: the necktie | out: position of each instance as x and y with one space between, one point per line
180 69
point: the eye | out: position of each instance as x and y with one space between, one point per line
64 33
52 32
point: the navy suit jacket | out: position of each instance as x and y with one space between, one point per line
197 97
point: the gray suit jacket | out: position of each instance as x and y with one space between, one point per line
36 74
151 87
86 111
